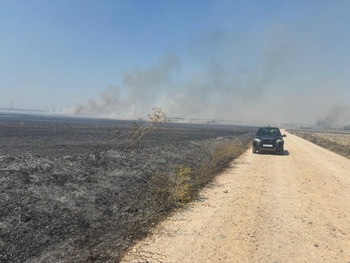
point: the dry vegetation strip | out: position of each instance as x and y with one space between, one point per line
171 191
165 192
336 142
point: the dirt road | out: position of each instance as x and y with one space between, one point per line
266 208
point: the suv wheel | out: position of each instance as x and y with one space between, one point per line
281 152
254 150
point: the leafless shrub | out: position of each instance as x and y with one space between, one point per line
132 137
98 153
139 130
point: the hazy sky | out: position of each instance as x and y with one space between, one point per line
272 61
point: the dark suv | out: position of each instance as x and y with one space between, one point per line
268 139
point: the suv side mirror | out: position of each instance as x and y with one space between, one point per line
284 135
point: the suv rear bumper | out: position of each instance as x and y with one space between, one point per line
275 147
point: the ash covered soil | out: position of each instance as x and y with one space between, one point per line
71 190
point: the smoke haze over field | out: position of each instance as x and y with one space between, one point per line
252 61
338 114
274 78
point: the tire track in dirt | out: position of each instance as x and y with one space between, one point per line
265 208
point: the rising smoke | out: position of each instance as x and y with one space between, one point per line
139 92
338 114
224 88
283 74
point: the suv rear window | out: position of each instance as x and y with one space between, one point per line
274 132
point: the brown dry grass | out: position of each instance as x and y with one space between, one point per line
336 142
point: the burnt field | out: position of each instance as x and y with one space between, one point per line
73 190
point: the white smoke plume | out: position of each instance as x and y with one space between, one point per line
284 73
222 89
140 91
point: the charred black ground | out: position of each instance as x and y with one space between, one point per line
60 203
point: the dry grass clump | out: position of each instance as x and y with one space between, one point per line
338 143
166 192
220 159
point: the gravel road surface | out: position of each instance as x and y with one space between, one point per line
265 208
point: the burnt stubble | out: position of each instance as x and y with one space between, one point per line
71 190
